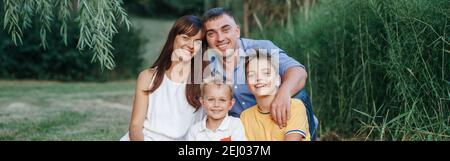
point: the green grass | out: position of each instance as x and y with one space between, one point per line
378 70
39 110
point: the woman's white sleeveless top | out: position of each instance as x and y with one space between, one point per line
169 114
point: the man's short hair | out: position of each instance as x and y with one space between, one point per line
215 13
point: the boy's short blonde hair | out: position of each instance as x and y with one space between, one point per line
215 80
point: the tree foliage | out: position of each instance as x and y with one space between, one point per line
97 21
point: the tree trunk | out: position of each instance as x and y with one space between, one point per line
245 18
307 6
290 25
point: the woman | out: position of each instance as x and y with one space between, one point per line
166 104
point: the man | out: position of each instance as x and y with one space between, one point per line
229 50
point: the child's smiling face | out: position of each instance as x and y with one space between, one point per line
217 100
262 78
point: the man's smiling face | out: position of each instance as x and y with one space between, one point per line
222 33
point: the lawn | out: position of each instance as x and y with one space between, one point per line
44 110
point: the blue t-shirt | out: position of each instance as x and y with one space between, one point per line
244 98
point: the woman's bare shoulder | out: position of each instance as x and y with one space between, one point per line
145 76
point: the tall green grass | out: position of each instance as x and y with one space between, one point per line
378 70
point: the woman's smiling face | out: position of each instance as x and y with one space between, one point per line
185 47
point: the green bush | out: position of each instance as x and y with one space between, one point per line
66 63
377 69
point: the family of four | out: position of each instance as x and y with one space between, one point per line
249 89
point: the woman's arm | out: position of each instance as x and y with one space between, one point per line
140 105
